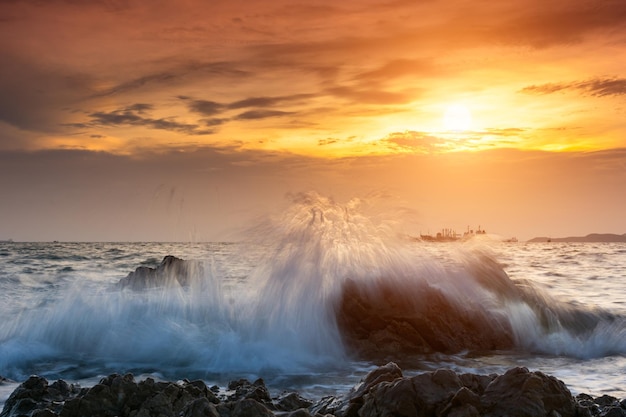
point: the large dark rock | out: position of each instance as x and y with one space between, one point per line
172 271
385 321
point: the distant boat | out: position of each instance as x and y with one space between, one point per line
450 235
511 240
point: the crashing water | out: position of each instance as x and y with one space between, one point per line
313 299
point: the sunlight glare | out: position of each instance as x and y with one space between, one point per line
457 117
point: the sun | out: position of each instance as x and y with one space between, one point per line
457 118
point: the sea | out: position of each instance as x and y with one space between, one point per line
266 306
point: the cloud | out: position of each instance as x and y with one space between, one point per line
206 107
597 87
135 115
370 96
413 141
396 68
268 101
176 74
35 98
261 114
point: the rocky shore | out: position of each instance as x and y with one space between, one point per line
383 392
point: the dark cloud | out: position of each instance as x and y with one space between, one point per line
34 98
135 115
261 114
598 87
176 74
268 101
214 122
206 107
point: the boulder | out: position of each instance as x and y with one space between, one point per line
521 393
172 271
386 320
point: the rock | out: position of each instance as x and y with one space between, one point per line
291 401
302 412
172 271
4 381
424 395
118 395
350 404
246 407
35 397
521 393
200 408
383 320
613 411
382 392
327 405
243 389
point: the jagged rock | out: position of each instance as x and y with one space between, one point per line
349 405
200 408
291 401
243 389
327 405
301 412
521 393
382 392
171 271
423 395
35 397
246 407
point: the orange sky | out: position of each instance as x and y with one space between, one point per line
163 120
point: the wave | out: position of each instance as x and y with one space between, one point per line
330 284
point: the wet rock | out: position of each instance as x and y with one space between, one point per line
424 395
243 389
35 397
244 408
172 271
382 392
384 320
521 393
291 401
350 404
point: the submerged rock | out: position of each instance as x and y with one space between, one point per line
171 271
382 392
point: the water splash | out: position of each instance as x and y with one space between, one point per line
330 282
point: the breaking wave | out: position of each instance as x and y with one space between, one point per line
329 284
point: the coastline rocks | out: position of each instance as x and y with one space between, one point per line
171 271
385 391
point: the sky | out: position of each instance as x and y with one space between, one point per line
190 120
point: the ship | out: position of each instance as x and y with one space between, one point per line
450 235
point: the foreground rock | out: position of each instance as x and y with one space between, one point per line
383 392
171 271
